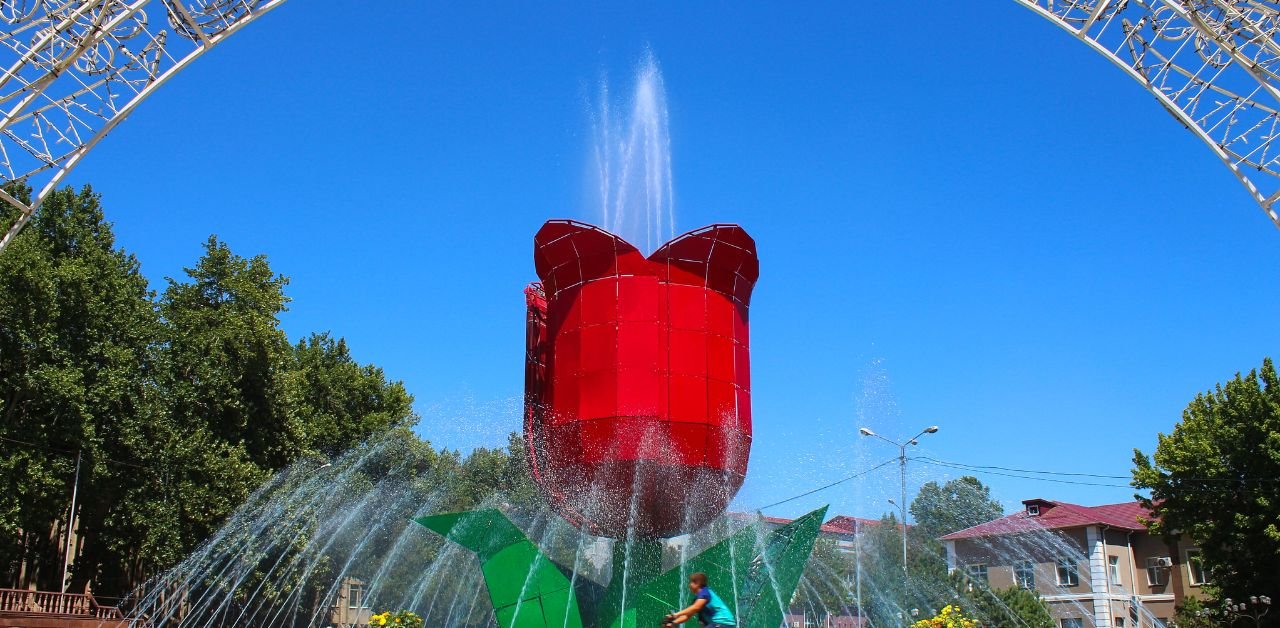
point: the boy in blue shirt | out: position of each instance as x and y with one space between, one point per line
707 606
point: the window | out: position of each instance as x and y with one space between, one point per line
1068 573
1195 567
977 572
1072 622
1156 568
1024 574
1113 569
1033 510
355 596
1119 622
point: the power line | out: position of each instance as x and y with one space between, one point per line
1010 472
994 469
65 452
836 483
1069 473
1021 477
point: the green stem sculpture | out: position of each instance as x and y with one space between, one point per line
755 571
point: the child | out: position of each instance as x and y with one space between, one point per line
708 606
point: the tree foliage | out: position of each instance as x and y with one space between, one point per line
958 504
1214 478
77 330
178 405
999 607
876 582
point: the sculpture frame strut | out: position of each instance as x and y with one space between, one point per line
1213 64
82 66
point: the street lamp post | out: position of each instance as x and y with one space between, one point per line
902 474
1236 611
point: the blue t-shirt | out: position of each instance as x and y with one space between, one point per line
714 611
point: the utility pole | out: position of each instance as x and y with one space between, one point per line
71 520
902 478
857 574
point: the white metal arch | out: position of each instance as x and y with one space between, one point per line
74 69
1213 64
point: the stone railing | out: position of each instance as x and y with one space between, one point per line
50 603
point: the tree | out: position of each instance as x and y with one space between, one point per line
1214 479
341 402
824 586
1001 607
225 352
77 335
960 503
176 407
1191 614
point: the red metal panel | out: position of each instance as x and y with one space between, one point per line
742 364
638 298
638 346
635 392
566 353
638 379
720 357
744 416
599 302
688 444
722 403
720 313
563 397
688 398
599 349
598 395
688 352
686 307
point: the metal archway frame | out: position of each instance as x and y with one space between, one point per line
1213 64
80 67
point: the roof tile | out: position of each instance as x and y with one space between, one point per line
1125 515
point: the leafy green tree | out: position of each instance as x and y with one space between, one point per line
340 402
225 351
1191 614
1002 607
824 585
1214 478
77 332
958 504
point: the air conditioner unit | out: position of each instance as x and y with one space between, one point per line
1164 561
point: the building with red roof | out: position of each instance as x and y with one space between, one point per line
1095 565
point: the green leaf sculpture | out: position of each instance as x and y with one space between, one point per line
756 570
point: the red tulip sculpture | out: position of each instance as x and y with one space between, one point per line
638 379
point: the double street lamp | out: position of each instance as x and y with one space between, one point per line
902 473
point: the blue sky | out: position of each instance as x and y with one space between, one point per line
965 218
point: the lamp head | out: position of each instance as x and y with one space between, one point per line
932 429
866 432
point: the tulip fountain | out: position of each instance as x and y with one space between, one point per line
638 424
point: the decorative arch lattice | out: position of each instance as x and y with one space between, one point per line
74 69
1213 64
